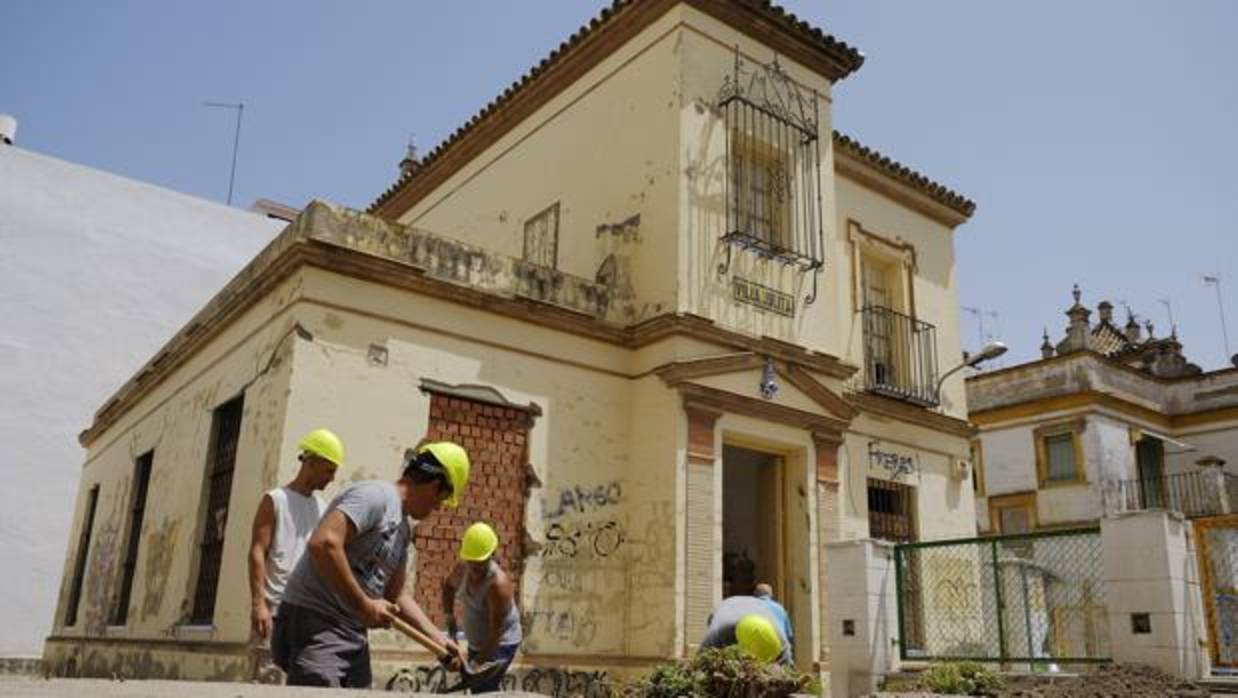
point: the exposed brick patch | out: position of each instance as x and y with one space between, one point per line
701 433
496 438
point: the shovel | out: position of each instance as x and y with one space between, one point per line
470 675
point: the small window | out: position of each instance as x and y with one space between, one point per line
227 432
83 550
1012 520
1012 514
1060 458
891 510
541 238
141 479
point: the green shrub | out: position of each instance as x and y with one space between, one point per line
962 678
719 673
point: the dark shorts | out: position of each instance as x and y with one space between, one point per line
317 651
505 654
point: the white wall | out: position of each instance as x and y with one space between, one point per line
98 271
1210 440
1009 461
1010 467
1108 450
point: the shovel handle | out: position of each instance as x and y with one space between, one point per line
419 637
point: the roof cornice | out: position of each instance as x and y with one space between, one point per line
782 31
867 166
361 246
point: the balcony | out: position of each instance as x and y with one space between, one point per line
1192 494
900 356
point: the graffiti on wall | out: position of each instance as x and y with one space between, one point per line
589 538
896 465
565 624
554 682
583 500
601 559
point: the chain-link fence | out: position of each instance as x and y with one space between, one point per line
1036 598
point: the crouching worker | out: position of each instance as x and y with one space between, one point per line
488 595
352 575
749 622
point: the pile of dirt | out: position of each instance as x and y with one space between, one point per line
1107 681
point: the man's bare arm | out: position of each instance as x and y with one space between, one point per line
326 550
501 596
263 531
450 585
409 610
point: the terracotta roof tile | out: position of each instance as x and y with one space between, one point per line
892 168
846 57
1109 340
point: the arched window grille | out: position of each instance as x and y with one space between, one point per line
773 183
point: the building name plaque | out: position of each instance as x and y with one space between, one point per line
763 297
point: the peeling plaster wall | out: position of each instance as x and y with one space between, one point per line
934 290
707 57
599 577
1088 372
145 661
604 149
175 420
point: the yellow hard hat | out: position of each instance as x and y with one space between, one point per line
478 543
324 444
758 638
454 462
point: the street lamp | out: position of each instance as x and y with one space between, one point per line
992 350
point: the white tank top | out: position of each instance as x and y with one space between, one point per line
477 613
296 517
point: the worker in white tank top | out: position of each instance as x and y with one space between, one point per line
283 524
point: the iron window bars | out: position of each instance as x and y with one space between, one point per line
773 182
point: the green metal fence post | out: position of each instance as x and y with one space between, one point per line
899 602
1001 605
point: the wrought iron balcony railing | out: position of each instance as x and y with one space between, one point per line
900 356
1192 494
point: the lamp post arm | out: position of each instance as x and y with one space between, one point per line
942 381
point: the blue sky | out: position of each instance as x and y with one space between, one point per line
1098 137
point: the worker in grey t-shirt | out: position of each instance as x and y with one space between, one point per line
732 611
352 575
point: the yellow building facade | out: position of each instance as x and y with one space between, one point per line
688 333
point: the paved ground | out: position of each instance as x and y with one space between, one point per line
15 686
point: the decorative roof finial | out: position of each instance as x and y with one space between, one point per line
1076 293
410 163
1148 325
1046 347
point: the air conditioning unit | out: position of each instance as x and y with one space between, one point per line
961 469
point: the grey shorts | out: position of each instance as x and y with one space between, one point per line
317 651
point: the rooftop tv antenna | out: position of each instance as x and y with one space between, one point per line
1169 308
236 140
1214 280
